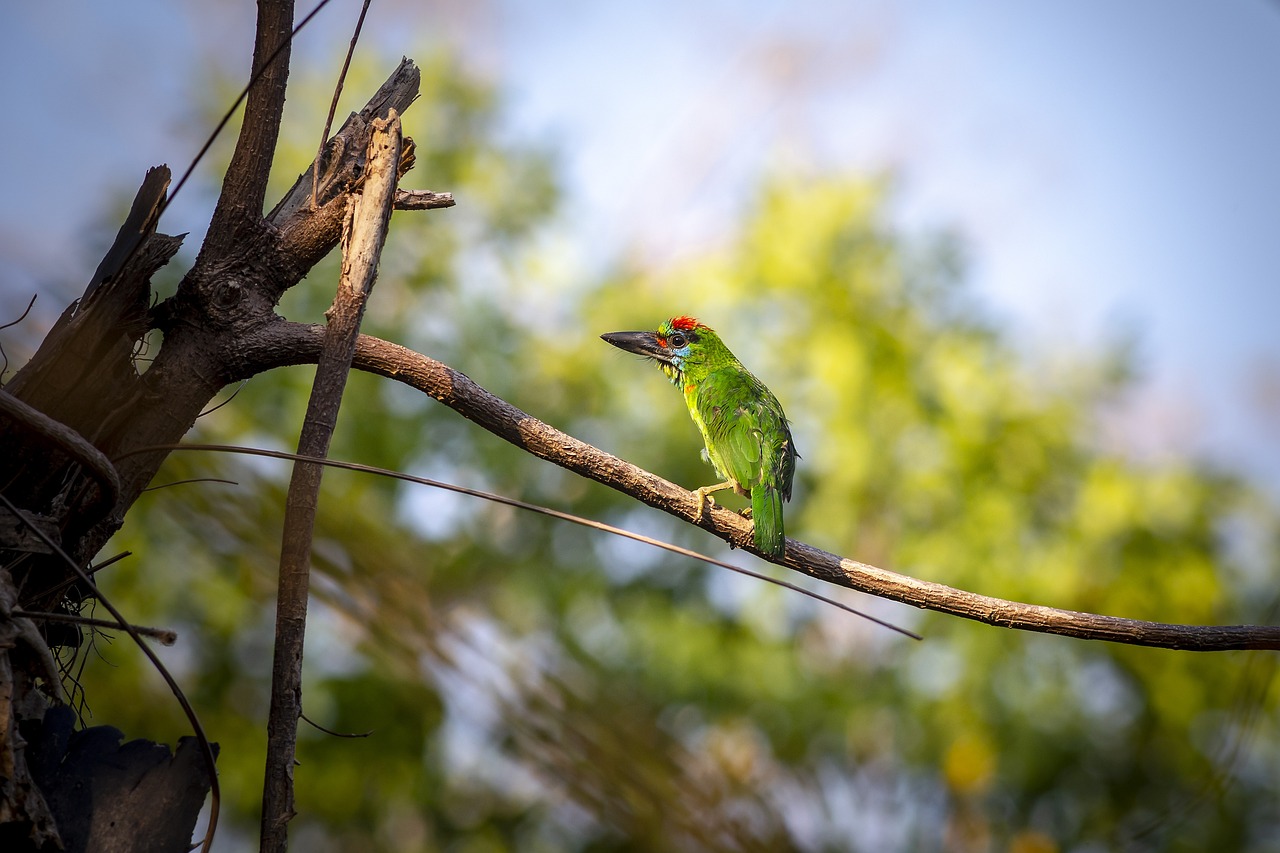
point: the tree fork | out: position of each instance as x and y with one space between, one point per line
228 296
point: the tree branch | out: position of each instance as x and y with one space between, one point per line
368 216
245 186
224 296
165 636
286 343
422 200
307 232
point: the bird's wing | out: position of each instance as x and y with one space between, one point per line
745 447
747 434
777 449
733 439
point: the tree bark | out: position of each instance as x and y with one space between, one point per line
363 238
82 398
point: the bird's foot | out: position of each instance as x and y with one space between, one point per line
705 501
745 512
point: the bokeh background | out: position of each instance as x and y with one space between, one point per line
1009 268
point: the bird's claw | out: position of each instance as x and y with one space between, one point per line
704 501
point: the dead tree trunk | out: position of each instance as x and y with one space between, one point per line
82 401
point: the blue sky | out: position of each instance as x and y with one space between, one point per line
1111 166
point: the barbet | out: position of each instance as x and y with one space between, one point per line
742 423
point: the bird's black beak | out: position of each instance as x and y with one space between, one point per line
640 343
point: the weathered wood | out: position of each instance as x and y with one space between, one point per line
422 200
108 796
227 297
244 187
80 381
363 238
83 372
144 213
83 380
26 821
307 234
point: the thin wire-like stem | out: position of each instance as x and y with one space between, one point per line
244 93
333 104
321 728
530 507
5 368
191 480
23 316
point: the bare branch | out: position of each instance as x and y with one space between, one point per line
137 227
333 104
422 200
165 636
295 343
219 298
245 186
369 215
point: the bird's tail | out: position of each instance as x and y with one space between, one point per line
766 512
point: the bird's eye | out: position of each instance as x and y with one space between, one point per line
676 341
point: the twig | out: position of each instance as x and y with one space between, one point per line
165 636
3 354
298 343
319 727
333 104
91 571
368 216
191 480
423 200
213 409
97 567
258 72
23 316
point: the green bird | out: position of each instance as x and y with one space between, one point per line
742 423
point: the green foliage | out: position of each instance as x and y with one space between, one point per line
532 686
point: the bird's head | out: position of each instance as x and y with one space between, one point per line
675 346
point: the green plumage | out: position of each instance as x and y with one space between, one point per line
742 423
